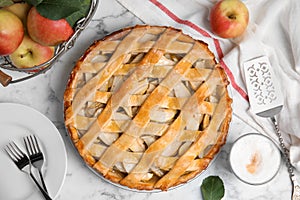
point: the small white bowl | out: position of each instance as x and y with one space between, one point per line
255 159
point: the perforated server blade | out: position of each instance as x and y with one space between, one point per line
266 100
263 87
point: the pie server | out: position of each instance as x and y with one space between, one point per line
266 100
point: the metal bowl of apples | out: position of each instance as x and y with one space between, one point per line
14 48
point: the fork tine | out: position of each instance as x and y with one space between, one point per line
9 153
37 144
29 146
14 151
33 145
26 145
18 150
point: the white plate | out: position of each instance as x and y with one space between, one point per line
17 121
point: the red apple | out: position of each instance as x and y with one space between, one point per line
11 32
229 18
46 31
31 53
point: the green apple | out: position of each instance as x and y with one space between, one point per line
229 18
20 9
11 32
46 31
31 53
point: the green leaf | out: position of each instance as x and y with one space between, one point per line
85 6
212 188
33 2
58 9
4 3
71 10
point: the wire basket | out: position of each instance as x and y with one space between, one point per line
5 63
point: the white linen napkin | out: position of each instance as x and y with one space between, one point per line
273 31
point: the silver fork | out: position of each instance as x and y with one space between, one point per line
35 155
23 163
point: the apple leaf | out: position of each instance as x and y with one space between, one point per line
85 6
71 10
58 9
34 2
4 3
212 188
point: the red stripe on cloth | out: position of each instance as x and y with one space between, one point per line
206 34
234 84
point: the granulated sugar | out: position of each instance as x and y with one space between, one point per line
255 159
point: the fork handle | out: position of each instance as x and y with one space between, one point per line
42 180
45 194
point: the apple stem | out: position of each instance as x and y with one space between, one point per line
24 55
232 16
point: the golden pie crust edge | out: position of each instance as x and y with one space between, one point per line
88 158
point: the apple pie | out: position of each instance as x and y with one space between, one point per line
147 107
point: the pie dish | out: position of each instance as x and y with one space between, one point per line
147 107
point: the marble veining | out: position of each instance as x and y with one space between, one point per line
45 94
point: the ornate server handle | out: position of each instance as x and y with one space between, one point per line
295 184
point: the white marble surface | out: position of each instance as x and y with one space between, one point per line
45 94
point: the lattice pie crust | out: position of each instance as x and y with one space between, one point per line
147 107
